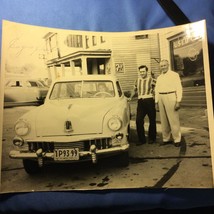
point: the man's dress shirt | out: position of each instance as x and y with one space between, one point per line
169 82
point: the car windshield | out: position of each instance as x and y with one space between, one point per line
82 89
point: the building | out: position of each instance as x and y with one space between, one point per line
184 50
88 53
72 53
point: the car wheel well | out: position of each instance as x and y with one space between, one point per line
123 159
31 166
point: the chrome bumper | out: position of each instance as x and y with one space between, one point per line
50 155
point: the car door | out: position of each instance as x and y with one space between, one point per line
15 91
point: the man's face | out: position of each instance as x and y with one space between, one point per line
102 88
143 72
164 66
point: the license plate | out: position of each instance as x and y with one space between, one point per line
66 154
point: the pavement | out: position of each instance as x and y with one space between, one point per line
151 165
195 136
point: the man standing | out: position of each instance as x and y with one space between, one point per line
168 95
144 87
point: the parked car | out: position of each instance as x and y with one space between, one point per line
78 122
22 91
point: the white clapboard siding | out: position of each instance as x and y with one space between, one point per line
137 52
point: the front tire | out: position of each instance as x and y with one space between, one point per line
128 133
123 159
31 166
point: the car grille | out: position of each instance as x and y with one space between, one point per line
101 143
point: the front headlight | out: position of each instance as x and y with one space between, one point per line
22 128
114 123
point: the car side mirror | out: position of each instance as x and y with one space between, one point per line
127 94
41 100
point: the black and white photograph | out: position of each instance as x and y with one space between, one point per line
84 110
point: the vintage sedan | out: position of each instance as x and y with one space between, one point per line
82 119
24 91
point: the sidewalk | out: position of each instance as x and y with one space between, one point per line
194 128
195 117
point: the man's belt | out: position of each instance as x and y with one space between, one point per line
170 92
145 96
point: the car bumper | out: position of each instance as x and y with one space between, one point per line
93 153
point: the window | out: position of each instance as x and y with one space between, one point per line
32 84
98 89
102 39
87 41
82 89
74 41
187 59
94 40
14 83
51 43
66 90
145 36
119 89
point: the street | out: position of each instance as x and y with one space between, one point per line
151 165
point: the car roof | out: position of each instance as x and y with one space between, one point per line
87 77
22 79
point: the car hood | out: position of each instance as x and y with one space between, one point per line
59 118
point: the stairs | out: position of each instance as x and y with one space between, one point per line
194 96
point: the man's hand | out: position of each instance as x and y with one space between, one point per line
177 106
157 107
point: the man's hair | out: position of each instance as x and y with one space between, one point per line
102 84
164 60
143 66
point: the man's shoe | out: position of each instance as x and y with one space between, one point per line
151 142
165 143
139 143
177 144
